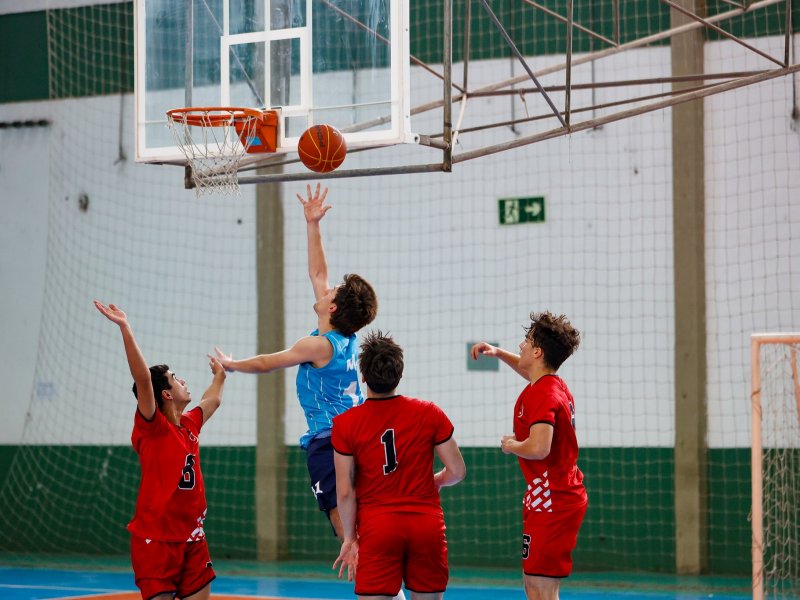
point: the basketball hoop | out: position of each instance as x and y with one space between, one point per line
214 140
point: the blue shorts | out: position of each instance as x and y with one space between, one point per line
319 460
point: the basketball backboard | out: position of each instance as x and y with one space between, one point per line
316 61
348 63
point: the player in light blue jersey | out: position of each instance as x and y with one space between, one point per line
328 391
327 380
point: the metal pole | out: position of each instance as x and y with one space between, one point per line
447 66
519 56
788 33
645 41
756 490
431 168
720 31
188 77
188 80
639 110
568 79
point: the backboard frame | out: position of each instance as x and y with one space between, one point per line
394 130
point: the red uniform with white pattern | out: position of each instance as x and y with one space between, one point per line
168 547
555 499
399 520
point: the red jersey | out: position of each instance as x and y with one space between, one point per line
171 505
554 483
392 441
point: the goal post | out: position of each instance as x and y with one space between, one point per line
775 468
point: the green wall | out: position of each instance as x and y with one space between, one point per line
78 499
23 57
93 46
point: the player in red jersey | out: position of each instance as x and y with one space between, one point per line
387 492
169 553
544 441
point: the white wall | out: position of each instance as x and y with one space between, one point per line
446 272
24 163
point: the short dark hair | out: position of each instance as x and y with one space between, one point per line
381 362
158 375
555 335
356 305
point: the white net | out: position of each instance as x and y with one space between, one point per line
214 140
780 466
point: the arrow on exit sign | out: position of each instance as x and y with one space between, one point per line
513 211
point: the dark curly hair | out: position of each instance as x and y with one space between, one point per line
381 362
555 335
356 305
158 375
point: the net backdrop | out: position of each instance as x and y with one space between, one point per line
447 274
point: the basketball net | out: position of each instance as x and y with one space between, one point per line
214 140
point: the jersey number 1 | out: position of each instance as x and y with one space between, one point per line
389 451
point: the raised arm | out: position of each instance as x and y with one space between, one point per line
314 209
346 503
212 397
511 359
136 362
454 468
313 349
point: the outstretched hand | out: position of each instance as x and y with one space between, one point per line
224 360
313 207
112 313
348 556
483 348
215 365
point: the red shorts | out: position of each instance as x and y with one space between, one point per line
548 539
398 547
181 568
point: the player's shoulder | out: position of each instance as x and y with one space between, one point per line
193 419
544 390
554 390
420 405
418 401
550 383
142 423
337 338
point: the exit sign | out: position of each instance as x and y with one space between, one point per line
513 211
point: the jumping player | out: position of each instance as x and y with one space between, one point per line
169 553
327 380
388 494
544 441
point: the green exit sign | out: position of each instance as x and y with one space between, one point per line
513 211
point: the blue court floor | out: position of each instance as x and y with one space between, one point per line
307 582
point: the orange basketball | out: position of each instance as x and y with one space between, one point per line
322 148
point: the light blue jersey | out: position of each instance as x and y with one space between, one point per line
330 390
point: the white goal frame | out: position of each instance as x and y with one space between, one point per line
757 340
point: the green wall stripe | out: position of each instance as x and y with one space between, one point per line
93 46
23 57
78 499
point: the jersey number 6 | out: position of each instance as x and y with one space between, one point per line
187 476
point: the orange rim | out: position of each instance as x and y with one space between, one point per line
199 116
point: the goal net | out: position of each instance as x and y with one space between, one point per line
776 466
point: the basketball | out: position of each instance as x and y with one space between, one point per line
322 148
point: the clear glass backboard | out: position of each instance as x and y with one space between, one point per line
344 63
